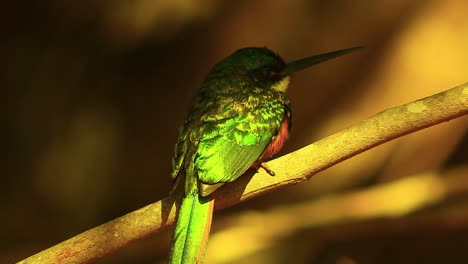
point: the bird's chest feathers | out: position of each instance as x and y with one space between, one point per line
277 143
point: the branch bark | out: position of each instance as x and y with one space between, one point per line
344 211
290 169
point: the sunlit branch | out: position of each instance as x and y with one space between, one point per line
290 169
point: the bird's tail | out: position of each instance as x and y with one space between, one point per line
192 229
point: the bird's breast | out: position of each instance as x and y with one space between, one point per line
277 143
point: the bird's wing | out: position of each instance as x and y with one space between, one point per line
228 147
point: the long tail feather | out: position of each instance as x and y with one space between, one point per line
192 230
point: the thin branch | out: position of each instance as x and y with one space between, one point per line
290 169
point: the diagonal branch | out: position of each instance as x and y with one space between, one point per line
290 169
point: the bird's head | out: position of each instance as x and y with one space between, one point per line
266 68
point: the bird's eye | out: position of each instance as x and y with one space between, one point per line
265 74
269 73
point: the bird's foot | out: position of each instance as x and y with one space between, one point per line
263 166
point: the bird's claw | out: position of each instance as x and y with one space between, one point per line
263 166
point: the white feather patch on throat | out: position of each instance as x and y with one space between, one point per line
282 85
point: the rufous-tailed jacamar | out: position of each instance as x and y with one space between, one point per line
239 118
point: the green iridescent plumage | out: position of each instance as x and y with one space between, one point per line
239 112
232 119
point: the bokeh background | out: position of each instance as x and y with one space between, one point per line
93 93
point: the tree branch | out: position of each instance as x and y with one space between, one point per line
389 200
290 169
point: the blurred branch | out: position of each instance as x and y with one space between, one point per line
293 168
254 231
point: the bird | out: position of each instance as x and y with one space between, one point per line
239 118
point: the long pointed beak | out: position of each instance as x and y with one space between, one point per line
316 59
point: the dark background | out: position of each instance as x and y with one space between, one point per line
94 91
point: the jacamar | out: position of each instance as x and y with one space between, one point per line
239 118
